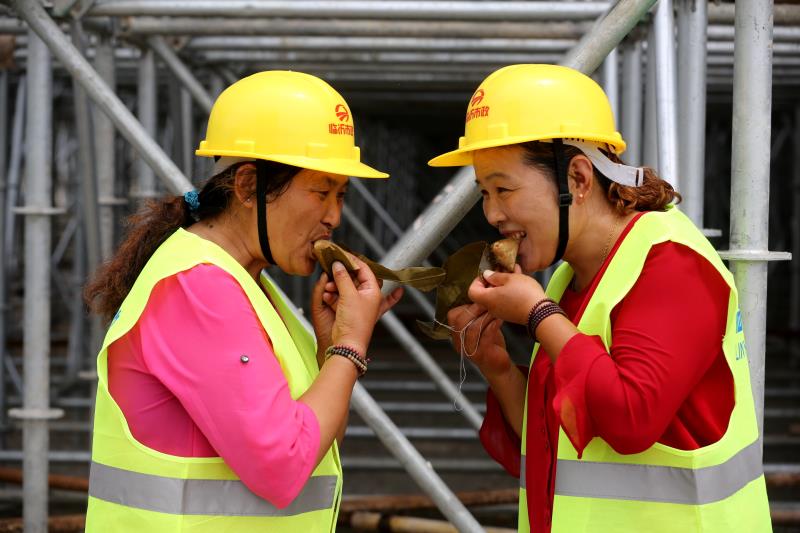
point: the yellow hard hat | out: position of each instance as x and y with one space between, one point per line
522 103
287 117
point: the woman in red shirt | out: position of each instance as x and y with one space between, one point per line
664 378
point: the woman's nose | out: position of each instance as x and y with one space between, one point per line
333 215
494 215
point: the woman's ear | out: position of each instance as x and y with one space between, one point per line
245 184
581 176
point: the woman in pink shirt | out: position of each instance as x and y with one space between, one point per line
176 374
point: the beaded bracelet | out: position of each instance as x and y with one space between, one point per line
541 312
533 310
351 354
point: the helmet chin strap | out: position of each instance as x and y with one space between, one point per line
561 162
261 209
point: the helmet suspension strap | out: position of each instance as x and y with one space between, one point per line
261 209
561 163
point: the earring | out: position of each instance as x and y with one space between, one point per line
580 196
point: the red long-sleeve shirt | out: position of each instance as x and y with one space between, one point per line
665 380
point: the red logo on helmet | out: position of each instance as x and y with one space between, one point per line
342 113
477 98
475 109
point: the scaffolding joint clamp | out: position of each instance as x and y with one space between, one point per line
35 413
754 255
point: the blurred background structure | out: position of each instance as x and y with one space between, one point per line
102 103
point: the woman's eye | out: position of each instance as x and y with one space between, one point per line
502 190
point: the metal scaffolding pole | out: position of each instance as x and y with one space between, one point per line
12 178
403 9
40 22
4 131
186 130
394 9
666 93
147 113
692 22
794 312
376 206
422 45
181 71
650 147
611 81
36 326
632 101
87 206
381 44
349 28
88 210
750 164
495 59
105 148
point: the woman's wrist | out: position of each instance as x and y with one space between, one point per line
341 364
540 311
504 383
356 344
357 358
497 375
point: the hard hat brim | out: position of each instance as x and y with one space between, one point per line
456 158
344 167
463 156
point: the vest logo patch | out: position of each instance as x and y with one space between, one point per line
741 351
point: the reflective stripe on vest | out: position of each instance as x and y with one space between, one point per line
216 497
666 484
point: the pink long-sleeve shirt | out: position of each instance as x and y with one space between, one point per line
179 379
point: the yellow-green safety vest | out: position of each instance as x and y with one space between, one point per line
719 487
136 488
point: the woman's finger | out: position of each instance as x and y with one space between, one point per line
390 300
478 292
458 317
365 279
331 299
495 279
342 278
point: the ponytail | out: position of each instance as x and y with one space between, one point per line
156 221
146 231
